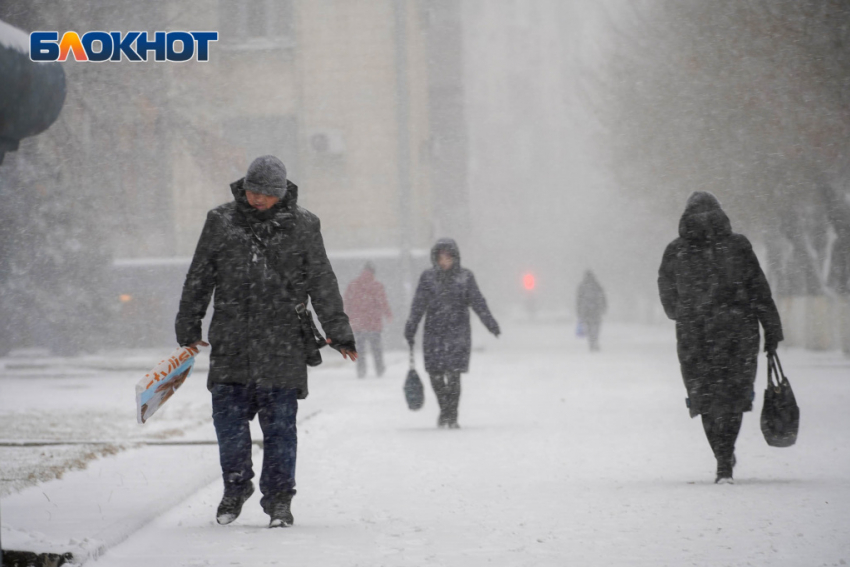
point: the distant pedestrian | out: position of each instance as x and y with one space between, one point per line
444 295
366 306
712 285
590 306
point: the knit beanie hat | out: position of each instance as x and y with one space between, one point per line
266 175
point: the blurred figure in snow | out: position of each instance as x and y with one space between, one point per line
366 306
590 306
712 285
444 295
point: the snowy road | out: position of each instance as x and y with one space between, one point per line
564 458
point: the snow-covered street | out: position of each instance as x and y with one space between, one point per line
495 182
565 457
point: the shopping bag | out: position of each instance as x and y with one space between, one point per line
413 390
780 415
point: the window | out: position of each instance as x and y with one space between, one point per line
262 135
256 24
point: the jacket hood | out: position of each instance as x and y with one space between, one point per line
366 276
449 245
703 219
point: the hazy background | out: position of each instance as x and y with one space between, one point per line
547 137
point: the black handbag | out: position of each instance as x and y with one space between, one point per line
313 339
413 390
780 415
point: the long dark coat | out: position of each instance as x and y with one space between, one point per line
444 298
711 284
590 299
255 334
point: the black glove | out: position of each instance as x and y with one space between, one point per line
770 345
348 345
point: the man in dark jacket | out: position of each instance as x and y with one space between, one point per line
590 306
711 284
263 256
444 296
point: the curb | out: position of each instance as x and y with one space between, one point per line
87 512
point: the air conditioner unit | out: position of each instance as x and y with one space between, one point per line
327 142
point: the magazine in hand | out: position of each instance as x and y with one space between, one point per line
160 383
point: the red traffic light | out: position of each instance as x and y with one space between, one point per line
528 282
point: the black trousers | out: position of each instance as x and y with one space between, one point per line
234 406
447 388
592 326
722 432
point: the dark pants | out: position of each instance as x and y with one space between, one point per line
447 388
373 339
592 327
234 406
722 432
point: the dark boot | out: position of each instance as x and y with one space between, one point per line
280 512
232 501
452 399
724 471
722 432
439 384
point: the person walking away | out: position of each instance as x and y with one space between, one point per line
590 306
712 285
366 306
444 295
263 257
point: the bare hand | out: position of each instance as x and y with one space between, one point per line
346 353
196 344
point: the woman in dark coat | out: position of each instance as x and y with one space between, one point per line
711 284
444 295
590 306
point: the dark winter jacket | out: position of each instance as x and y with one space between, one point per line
255 333
711 284
444 298
590 299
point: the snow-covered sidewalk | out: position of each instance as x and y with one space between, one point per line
564 457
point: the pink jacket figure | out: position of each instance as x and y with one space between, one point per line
366 306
